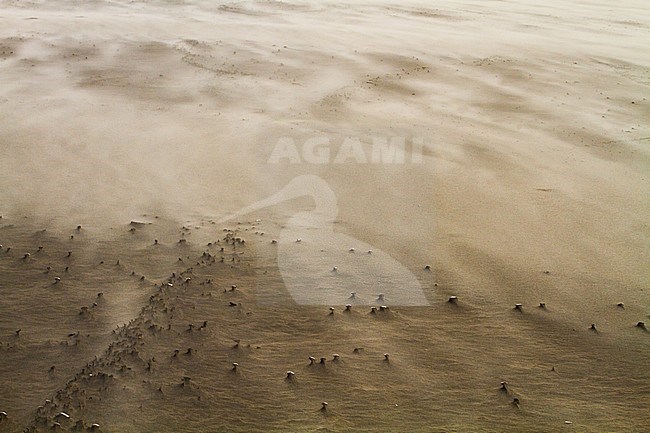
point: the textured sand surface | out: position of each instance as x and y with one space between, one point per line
532 187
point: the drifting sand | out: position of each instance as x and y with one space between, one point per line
532 188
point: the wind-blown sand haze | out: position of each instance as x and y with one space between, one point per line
163 217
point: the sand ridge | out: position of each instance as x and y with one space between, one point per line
205 314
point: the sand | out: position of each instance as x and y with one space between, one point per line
162 129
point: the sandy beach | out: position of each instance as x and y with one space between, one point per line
444 204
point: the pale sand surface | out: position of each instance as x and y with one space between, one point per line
533 188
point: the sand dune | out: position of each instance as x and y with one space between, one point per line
148 124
